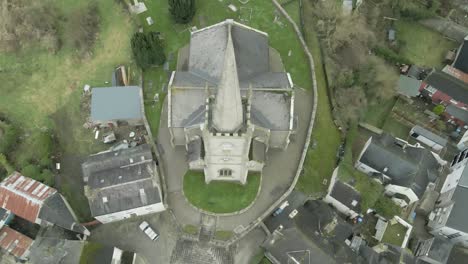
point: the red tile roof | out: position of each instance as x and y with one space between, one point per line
24 196
456 73
14 242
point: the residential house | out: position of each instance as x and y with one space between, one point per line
229 101
463 143
456 115
461 60
111 106
450 217
37 203
121 184
443 88
428 138
456 73
405 170
435 250
343 197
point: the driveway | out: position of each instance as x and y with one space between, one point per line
127 236
278 174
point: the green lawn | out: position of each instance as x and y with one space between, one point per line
394 234
191 229
223 235
220 197
396 128
42 92
321 158
376 114
89 252
422 46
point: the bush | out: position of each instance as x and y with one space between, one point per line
438 109
147 49
386 207
390 55
8 137
182 10
31 171
83 27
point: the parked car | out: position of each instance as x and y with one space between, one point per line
280 209
146 228
293 214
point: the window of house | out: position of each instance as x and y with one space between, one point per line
225 173
454 235
431 89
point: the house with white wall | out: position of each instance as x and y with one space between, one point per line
406 170
122 184
343 197
450 216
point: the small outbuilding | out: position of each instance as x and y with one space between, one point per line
408 86
428 138
111 106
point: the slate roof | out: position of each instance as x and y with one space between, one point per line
457 112
14 242
346 194
206 57
429 135
48 250
461 62
440 249
116 103
120 180
449 85
459 215
408 86
410 167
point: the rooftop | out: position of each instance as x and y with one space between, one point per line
461 61
347 195
116 103
457 112
14 242
449 85
406 165
120 180
428 134
408 86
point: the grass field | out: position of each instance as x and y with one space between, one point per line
321 159
42 92
422 46
376 114
394 234
219 197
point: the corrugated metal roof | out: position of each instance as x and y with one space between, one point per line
116 103
14 242
24 196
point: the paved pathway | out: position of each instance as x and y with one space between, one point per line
278 173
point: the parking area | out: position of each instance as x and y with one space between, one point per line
295 200
127 236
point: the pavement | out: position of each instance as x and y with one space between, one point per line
127 236
278 173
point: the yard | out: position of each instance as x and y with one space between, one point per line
321 156
220 197
421 45
41 93
394 234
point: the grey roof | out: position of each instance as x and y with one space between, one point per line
47 250
411 167
440 249
457 112
346 194
116 103
258 151
208 45
408 86
449 85
415 72
458 255
428 134
461 62
56 210
125 178
458 218
194 149
252 58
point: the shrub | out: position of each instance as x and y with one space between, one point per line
438 109
390 55
182 10
8 137
386 207
147 49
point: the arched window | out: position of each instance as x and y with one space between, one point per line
225 173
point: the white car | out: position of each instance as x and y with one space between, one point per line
293 214
146 228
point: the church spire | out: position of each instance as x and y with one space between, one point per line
227 111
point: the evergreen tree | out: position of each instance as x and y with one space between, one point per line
182 10
147 49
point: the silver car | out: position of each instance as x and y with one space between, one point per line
146 228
